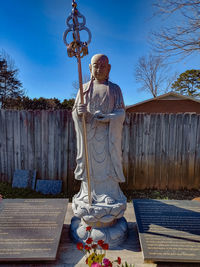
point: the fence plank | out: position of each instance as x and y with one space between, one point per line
157 151
126 146
4 166
143 165
192 147
185 150
197 155
179 141
16 134
38 142
51 146
164 151
65 154
44 122
151 152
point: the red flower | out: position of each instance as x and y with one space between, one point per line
107 263
87 247
89 240
79 246
105 246
100 242
94 246
119 260
88 228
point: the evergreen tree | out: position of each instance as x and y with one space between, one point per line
188 83
10 86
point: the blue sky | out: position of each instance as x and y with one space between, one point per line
31 33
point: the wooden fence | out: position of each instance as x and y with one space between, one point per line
159 150
162 151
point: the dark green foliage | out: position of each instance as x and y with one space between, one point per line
25 103
7 191
10 86
188 83
67 103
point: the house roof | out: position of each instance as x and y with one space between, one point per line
168 96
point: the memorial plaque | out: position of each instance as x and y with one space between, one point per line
30 229
53 187
169 230
24 179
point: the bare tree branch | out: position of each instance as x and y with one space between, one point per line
85 78
184 38
151 73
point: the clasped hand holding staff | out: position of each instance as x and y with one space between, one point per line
79 49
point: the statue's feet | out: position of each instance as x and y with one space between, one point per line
109 201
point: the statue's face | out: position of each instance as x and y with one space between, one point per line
100 67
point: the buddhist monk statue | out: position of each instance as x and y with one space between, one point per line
104 112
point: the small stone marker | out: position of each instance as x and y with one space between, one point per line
53 187
24 179
169 230
30 229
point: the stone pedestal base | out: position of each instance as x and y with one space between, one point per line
114 234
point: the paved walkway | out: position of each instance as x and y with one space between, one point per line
130 251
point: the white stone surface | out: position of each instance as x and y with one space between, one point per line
104 112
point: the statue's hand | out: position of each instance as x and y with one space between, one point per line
101 117
81 108
98 114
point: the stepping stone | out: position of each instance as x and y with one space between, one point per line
30 230
24 179
53 187
169 230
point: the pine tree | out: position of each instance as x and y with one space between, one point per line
188 83
10 86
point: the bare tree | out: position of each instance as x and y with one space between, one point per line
85 78
182 38
151 73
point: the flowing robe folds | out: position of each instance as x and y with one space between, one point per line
104 144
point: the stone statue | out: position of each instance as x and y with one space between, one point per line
104 111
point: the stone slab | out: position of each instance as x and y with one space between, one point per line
30 229
169 230
24 179
53 187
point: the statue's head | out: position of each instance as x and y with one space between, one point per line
100 67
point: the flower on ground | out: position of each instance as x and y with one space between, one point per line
106 261
99 257
100 242
79 246
88 228
95 264
119 260
94 246
87 247
95 258
89 240
105 246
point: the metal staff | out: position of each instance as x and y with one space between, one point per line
79 49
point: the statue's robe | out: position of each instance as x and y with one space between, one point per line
104 144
